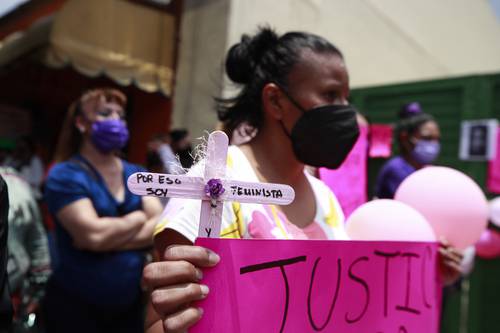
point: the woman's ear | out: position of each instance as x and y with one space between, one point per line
80 124
272 101
404 141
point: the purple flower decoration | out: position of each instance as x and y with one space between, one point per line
413 108
214 188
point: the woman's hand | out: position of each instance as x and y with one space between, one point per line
175 284
449 263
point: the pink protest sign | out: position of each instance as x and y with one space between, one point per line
330 286
349 181
380 140
493 181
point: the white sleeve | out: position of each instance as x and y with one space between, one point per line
35 176
183 216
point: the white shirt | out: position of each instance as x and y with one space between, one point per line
243 220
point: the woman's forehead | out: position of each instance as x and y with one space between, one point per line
99 103
430 125
429 128
316 67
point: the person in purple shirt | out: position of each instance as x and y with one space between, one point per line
418 138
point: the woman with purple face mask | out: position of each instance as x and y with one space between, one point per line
418 138
103 231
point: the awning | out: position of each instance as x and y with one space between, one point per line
130 43
24 42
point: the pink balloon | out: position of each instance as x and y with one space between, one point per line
388 220
452 202
488 245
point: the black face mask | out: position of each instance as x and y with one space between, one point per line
324 135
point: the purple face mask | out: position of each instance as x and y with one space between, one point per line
426 151
109 135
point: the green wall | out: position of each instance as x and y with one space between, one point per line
476 308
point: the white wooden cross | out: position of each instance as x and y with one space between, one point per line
208 188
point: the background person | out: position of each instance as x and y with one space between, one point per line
418 138
181 145
6 311
29 165
102 229
160 147
29 261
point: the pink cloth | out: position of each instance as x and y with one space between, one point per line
493 181
380 140
262 227
349 181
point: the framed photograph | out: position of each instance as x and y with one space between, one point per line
478 140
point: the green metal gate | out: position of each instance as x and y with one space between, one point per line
475 309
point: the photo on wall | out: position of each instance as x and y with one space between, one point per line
478 140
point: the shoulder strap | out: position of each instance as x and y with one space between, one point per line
83 164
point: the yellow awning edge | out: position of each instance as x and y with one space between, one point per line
129 43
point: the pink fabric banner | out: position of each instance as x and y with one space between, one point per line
349 181
493 181
380 140
330 286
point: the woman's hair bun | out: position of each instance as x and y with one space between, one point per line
410 110
243 57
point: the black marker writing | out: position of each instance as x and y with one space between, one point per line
272 264
145 178
366 288
387 256
334 301
427 254
164 179
256 192
407 307
157 192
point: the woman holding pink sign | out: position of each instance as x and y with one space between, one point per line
294 91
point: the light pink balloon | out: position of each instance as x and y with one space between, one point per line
451 201
488 245
388 220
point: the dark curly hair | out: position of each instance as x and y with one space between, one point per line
258 60
411 117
